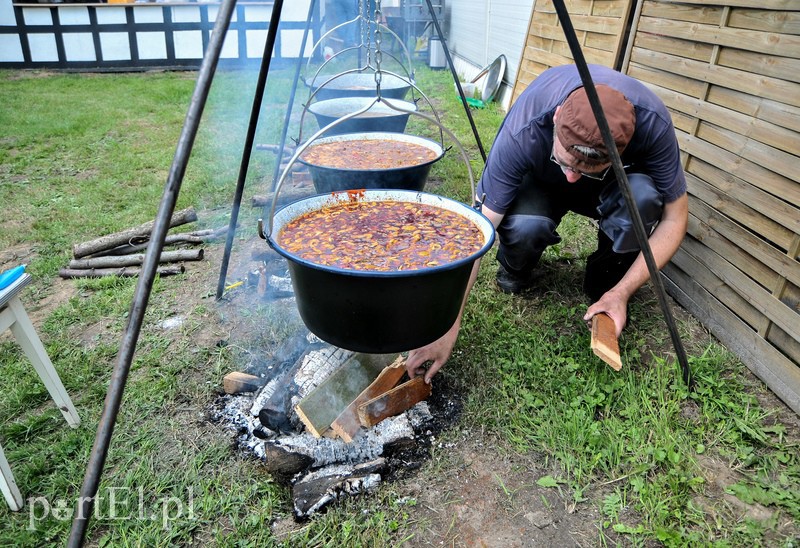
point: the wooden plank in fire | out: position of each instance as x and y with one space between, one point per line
324 404
393 402
347 423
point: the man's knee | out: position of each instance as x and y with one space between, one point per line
531 230
523 238
615 219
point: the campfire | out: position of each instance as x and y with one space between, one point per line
326 421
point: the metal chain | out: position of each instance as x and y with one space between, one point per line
364 39
378 54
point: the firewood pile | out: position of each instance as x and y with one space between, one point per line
122 253
328 422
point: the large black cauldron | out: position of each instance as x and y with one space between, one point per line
379 312
379 116
358 84
332 179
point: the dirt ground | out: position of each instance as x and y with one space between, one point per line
471 492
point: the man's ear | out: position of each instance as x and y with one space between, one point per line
555 114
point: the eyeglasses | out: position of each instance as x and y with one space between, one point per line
597 176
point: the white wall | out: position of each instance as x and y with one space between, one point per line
480 30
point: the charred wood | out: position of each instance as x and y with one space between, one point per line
284 464
325 451
273 402
314 492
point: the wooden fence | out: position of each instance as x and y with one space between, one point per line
729 71
599 25
730 74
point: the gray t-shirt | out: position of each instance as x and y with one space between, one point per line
525 138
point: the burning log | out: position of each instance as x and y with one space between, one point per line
347 424
398 399
285 456
124 272
283 463
110 241
135 260
277 411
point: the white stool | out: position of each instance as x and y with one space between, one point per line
13 316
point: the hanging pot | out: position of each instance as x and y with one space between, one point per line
378 312
331 179
358 84
379 117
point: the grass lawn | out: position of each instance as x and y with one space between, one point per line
546 430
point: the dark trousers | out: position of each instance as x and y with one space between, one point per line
530 225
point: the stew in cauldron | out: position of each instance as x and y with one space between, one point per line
381 236
368 154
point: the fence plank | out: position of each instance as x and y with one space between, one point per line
772 367
747 82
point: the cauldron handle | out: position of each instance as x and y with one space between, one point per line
450 134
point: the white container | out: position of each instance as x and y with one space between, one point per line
471 90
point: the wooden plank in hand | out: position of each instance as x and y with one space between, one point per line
604 340
395 401
347 424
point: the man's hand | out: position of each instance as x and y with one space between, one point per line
664 242
612 303
438 352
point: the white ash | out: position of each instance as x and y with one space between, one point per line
317 366
419 415
366 446
341 470
236 417
263 396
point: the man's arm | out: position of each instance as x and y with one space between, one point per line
439 350
664 242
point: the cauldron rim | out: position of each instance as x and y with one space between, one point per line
376 135
477 217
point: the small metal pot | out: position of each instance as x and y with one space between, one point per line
358 84
378 312
331 179
379 117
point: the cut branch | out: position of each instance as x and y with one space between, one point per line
125 272
171 239
110 241
175 256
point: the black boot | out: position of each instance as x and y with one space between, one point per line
604 268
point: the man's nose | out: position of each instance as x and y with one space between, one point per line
572 176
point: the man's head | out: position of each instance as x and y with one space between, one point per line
577 131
